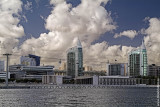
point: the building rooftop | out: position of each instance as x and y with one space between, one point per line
143 45
118 76
79 44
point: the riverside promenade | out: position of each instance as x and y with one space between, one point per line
76 86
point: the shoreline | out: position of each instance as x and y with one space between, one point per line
76 86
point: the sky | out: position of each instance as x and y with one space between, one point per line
108 29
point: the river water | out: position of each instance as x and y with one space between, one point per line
83 97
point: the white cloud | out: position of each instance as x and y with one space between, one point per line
55 2
10 29
152 40
8 44
9 6
88 21
146 19
129 33
102 52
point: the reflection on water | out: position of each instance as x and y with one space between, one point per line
106 97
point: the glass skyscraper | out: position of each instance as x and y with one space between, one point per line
138 62
75 60
114 69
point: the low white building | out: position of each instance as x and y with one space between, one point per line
52 79
116 80
3 75
30 72
90 80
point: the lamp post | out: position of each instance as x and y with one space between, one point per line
7 54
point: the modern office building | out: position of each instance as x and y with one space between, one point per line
138 62
153 70
30 72
30 60
116 80
1 66
75 61
114 69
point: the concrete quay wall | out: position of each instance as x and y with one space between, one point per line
75 86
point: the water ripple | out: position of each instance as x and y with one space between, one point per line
82 97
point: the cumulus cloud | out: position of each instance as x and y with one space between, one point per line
7 46
10 29
55 2
102 53
152 40
88 21
129 33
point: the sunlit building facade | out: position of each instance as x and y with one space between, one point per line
114 69
75 61
63 66
88 68
138 62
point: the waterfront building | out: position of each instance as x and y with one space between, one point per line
52 79
153 70
1 66
138 62
15 68
59 80
30 72
90 80
30 68
114 69
30 60
84 80
4 74
75 60
116 80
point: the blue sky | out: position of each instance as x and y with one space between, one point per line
127 14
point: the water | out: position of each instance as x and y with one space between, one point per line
90 97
